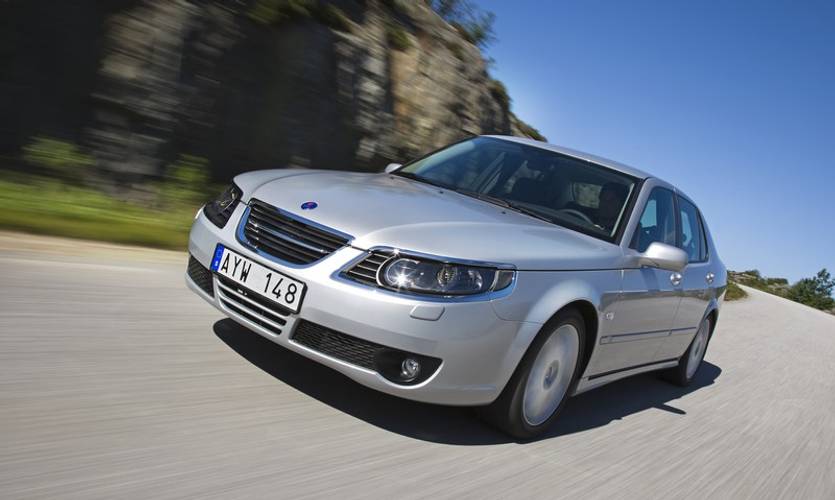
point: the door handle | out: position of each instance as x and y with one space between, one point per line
675 279
709 278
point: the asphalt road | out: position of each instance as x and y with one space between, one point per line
117 382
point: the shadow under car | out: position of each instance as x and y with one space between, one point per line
449 424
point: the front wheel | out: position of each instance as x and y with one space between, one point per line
543 380
683 374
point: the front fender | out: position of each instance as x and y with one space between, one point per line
540 294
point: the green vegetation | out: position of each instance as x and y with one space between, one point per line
474 24
499 92
395 5
56 157
43 201
531 132
187 182
815 291
753 278
734 292
270 12
274 12
397 37
333 17
456 50
47 206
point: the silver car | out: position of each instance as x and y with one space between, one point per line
498 272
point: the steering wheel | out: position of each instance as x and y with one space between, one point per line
578 214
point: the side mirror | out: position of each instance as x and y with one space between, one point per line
663 256
391 167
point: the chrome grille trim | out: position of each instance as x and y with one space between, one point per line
250 306
279 235
365 271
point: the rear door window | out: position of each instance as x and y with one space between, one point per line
692 237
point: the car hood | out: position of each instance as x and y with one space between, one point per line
392 211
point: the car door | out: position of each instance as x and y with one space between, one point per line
645 310
696 280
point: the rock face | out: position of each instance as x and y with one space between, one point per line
341 84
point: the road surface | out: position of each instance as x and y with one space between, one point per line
117 382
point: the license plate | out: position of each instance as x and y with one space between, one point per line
264 281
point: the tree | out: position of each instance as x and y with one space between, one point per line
815 292
474 24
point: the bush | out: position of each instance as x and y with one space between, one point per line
333 17
394 5
499 92
474 25
531 132
734 292
57 157
269 12
397 37
456 50
815 291
187 181
46 206
755 279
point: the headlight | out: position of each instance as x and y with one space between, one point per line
439 278
219 210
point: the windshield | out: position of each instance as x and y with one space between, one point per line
560 189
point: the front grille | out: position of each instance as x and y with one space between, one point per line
286 237
251 306
201 276
336 344
365 271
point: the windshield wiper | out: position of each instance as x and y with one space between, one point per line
485 197
506 204
530 212
415 177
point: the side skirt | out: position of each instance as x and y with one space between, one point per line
594 381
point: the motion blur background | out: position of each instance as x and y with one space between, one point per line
119 118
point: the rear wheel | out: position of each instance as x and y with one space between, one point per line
543 380
689 364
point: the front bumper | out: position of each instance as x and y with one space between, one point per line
479 351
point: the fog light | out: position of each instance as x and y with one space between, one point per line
409 369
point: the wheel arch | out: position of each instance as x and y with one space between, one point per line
713 314
544 295
590 319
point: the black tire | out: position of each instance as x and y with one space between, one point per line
678 374
506 413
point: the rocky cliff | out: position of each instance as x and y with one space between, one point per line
346 84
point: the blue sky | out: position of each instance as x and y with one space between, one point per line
734 102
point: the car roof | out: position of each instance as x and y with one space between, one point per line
620 167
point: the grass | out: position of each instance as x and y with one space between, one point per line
734 292
44 206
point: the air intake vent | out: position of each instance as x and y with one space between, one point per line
201 276
363 353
